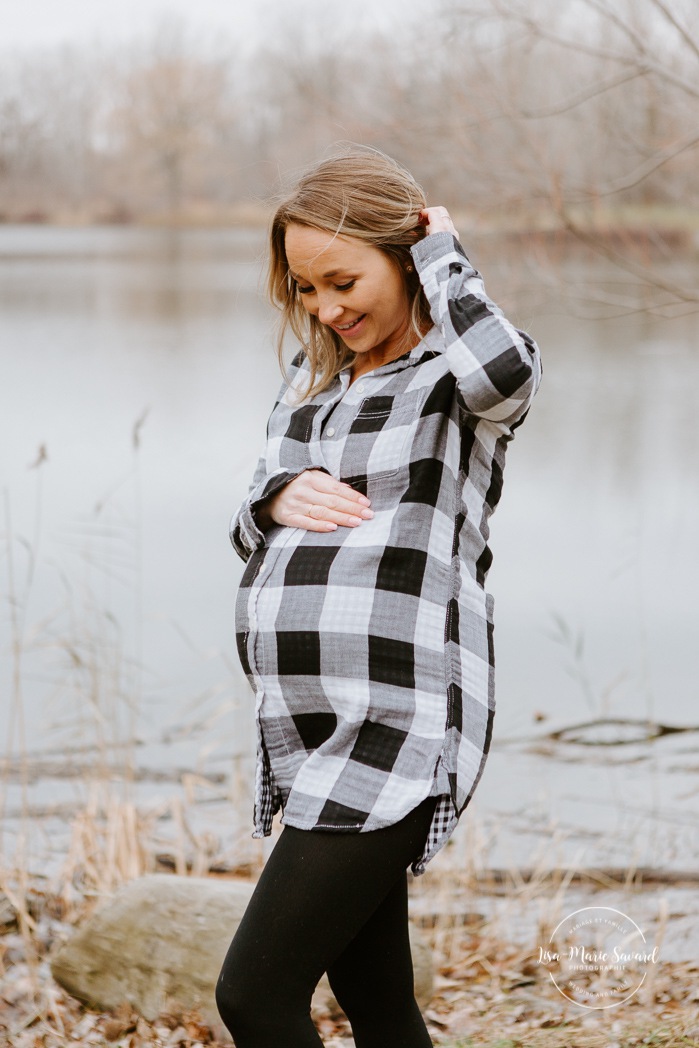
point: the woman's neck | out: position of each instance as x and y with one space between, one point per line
362 365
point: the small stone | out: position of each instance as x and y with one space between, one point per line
113 1029
143 1029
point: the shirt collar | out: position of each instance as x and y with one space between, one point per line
429 346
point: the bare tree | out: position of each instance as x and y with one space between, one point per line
597 100
48 111
171 106
550 124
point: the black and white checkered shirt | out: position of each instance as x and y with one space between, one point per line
369 649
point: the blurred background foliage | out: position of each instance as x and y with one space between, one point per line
548 116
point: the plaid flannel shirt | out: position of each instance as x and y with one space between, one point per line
370 649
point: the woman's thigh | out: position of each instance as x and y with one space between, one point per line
376 965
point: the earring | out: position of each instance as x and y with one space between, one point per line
409 269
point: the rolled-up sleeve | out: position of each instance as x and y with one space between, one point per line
244 532
497 366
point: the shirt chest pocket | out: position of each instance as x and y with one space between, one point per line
379 437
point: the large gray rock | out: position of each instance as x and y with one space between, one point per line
165 937
160 936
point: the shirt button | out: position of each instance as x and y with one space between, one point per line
330 431
360 387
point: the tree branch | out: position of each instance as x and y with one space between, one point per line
689 40
647 64
583 96
628 31
653 164
625 263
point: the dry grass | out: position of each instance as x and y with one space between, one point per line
488 992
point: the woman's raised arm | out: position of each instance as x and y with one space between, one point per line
497 366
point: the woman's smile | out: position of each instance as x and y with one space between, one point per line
350 329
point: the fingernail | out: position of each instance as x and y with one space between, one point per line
364 500
355 520
366 513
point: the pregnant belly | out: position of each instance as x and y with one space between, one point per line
321 609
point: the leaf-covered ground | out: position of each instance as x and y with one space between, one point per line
489 994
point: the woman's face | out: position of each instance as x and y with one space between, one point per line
351 287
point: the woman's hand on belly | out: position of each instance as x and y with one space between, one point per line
315 501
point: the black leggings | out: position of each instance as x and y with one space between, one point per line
328 902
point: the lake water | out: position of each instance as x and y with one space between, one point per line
141 362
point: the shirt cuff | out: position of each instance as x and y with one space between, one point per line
436 246
244 533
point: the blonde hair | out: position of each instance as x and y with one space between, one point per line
358 192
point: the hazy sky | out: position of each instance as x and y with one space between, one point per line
32 23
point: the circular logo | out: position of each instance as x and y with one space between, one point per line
597 957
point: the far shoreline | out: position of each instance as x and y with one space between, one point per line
638 235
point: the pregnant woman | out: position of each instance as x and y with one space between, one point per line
362 619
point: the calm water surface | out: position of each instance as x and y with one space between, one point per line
141 362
